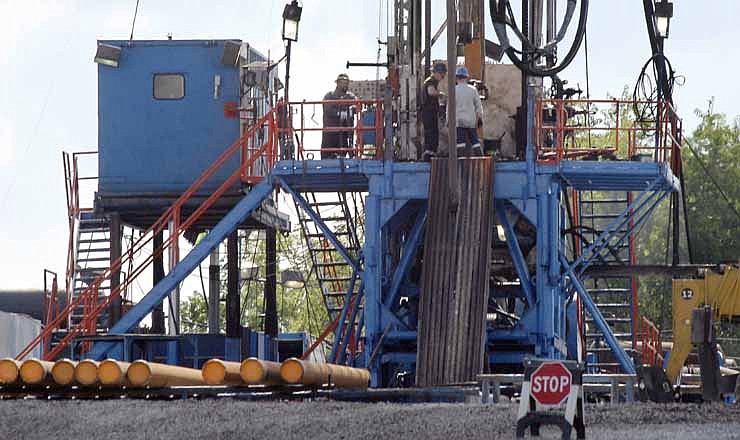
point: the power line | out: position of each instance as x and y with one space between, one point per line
133 24
712 179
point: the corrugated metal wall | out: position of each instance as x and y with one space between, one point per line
16 331
454 287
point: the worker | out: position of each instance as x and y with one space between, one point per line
338 143
430 110
469 113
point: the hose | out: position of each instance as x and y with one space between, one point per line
498 11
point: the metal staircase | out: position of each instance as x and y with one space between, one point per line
615 296
92 258
335 275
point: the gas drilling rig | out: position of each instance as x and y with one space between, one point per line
431 272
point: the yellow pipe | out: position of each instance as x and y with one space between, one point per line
142 373
35 371
342 376
9 371
218 372
86 372
258 372
113 373
63 371
296 371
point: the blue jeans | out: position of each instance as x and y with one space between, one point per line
464 133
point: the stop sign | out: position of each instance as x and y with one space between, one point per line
551 383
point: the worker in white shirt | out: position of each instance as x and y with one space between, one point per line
469 113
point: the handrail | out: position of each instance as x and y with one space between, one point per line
169 219
558 131
357 129
652 346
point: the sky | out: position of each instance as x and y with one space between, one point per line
48 81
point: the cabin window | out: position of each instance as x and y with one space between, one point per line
169 86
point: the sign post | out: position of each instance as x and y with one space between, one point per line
547 385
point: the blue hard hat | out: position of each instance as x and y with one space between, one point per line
462 72
439 68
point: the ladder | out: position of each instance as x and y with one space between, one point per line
341 215
615 296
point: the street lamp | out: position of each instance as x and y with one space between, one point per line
291 18
292 279
663 14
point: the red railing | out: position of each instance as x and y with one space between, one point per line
170 220
51 305
571 129
652 346
309 126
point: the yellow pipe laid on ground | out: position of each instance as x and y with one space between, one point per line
86 372
9 371
297 371
35 371
142 373
342 376
63 371
218 372
113 373
258 372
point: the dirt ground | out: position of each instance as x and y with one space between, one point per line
235 419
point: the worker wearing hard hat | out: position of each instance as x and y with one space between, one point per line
468 113
430 110
338 143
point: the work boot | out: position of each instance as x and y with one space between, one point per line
477 151
428 155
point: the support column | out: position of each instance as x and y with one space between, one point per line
214 293
157 275
114 311
271 318
233 316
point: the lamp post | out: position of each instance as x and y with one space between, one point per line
663 15
291 19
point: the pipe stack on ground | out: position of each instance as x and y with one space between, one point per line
86 372
255 371
35 371
297 371
218 372
9 371
142 373
63 372
112 373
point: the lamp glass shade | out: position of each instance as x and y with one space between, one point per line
292 279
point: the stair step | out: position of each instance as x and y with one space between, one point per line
609 290
339 233
315 204
87 229
612 320
332 264
604 201
334 279
616 335
326 219
613 306
94 240
600 216
88 260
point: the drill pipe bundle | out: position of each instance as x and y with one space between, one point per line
112 373
259 372
86 372
9 371
142 373
63 372
36 372
297 371
218 372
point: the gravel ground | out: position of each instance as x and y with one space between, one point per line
235 419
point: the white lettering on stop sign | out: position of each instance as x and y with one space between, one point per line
551 383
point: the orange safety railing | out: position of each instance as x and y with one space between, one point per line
652 346
172 221
571 129
355 143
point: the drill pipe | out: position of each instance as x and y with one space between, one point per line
9 371
113 373
63 371
86 372
307 373
35 371
218 372
142 373
258 372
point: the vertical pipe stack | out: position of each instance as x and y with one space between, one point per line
454 286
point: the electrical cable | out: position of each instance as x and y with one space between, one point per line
133 23
712 179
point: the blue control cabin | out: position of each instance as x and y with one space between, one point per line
167 110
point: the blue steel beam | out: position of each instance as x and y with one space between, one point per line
196 255
320 223
616 224
343 317
624 360
409 251
516 254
